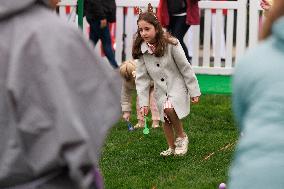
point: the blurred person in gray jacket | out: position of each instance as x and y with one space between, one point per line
53 115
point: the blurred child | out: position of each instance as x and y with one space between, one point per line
258 104
161 58
127 71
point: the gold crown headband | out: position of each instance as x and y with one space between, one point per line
149 10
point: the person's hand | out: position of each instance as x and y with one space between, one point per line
144 110
126 116
103 23
53 3
195 99
265 5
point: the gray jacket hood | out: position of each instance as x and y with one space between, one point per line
10 7
53 116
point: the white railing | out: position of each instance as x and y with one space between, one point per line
255 20
217 67
69 15
126 27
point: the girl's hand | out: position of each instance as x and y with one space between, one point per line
103 23
144 110
126 116
195 99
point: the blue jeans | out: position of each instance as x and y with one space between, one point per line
96 33
178 29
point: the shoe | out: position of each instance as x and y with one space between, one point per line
137 126
155 126
181 146
168 152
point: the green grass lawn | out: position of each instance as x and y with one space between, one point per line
215 84
131 159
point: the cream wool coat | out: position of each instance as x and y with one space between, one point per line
126 98
173 79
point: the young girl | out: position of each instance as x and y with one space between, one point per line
162 59
127 71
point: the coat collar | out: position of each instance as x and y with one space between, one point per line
145 48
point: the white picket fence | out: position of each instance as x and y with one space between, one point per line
216 67
255 20
126 28
71 16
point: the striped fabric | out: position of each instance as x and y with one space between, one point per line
167 104
152 48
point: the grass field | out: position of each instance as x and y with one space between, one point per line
131 159
215 84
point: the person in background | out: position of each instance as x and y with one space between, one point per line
162 59
258 103
266 4
53 120
99 14
177 16
127 72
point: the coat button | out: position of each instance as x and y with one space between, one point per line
162 79
158 65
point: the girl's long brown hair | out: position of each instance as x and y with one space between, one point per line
275 12
162 38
